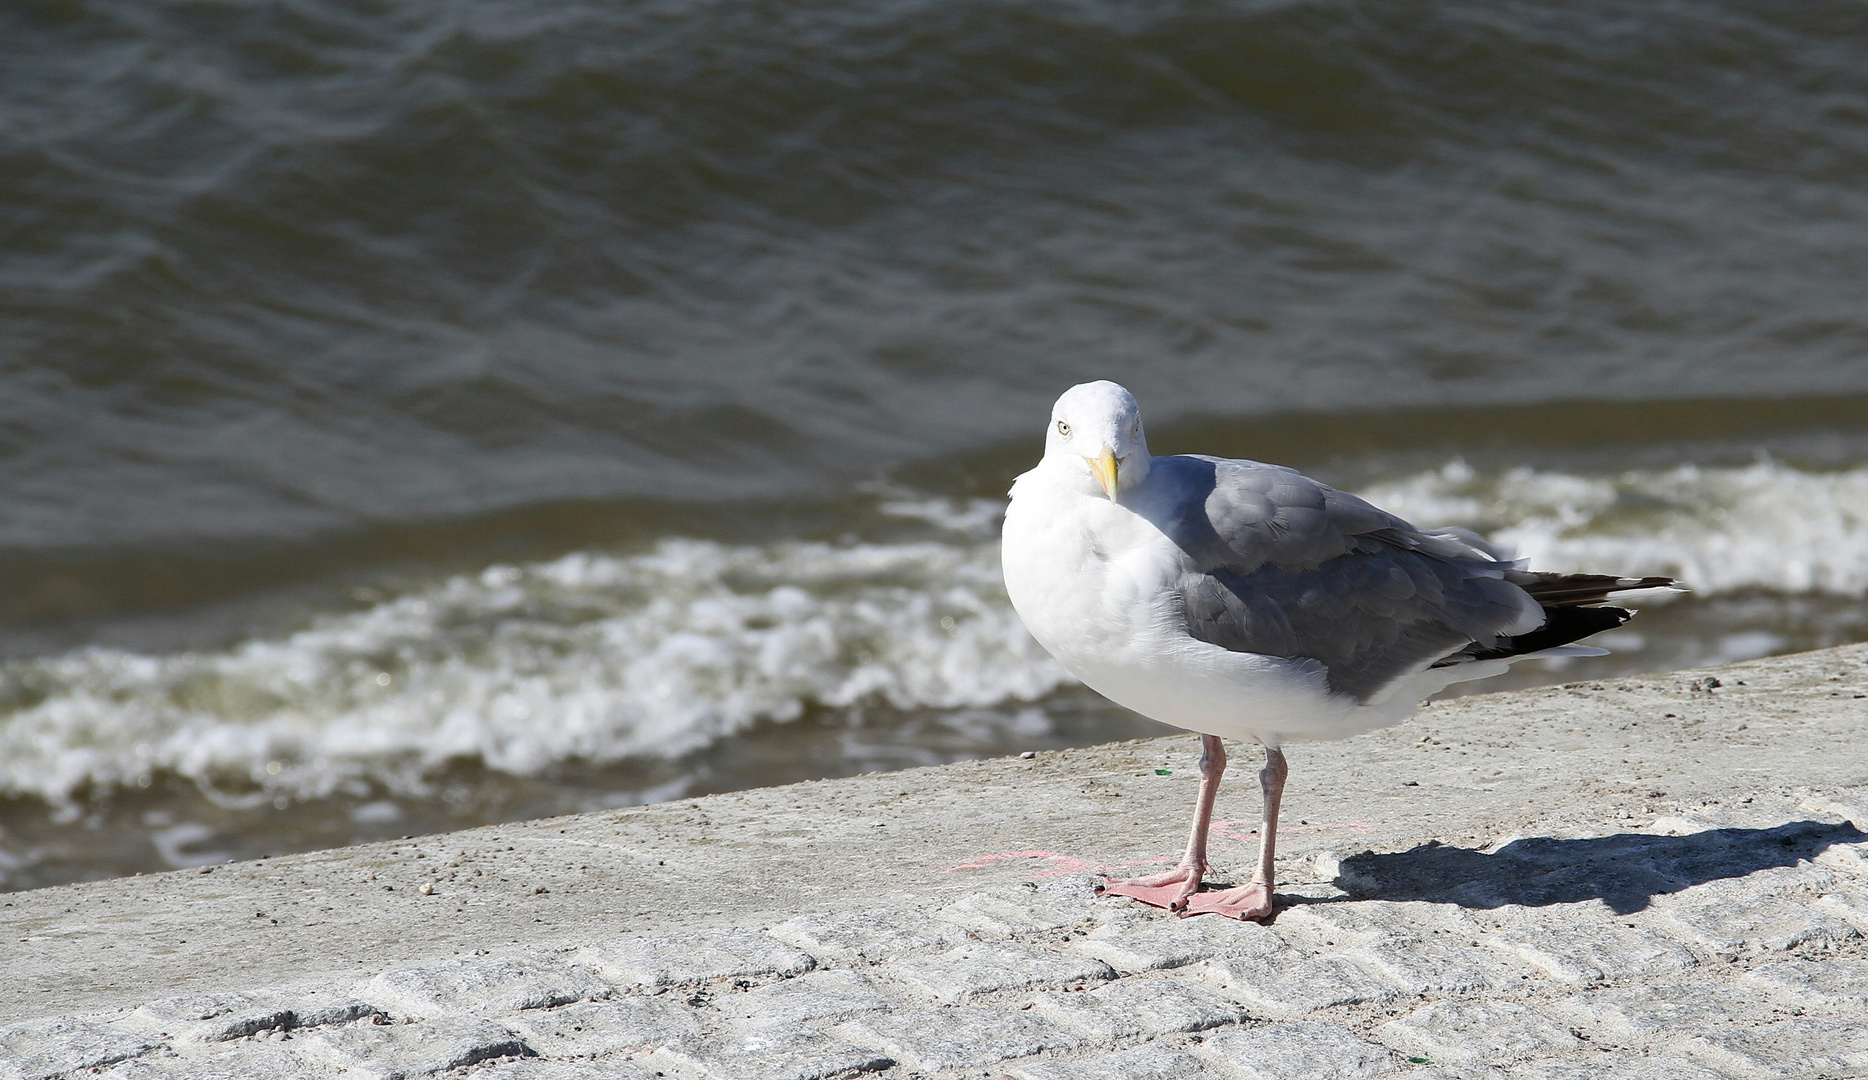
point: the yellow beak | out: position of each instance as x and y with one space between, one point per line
1105 469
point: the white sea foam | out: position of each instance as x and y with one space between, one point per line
601 657
590 656
1765 526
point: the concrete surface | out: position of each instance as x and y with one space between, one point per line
1627 878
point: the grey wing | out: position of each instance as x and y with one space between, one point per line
1281 565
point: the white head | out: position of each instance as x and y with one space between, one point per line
1096 433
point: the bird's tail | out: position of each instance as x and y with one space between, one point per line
1571 613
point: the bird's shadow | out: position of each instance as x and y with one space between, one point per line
1625 871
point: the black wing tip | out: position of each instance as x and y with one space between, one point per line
1578 590
1562 625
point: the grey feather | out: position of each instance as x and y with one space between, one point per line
1279 564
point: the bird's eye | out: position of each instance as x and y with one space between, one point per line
1063 429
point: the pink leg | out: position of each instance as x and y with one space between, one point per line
1253 899
1171 890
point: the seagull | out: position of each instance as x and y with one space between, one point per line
1247 601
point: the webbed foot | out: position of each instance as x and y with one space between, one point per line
1170 890
1249 901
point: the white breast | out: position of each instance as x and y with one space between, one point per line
1070 565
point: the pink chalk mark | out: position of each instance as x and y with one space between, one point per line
1244 829
1106 868
1064 865
981 862
1225 830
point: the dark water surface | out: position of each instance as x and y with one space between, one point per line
420 414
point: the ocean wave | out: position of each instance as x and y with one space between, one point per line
601 657
1766 526
593 657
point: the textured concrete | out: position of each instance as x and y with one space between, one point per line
1628 878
